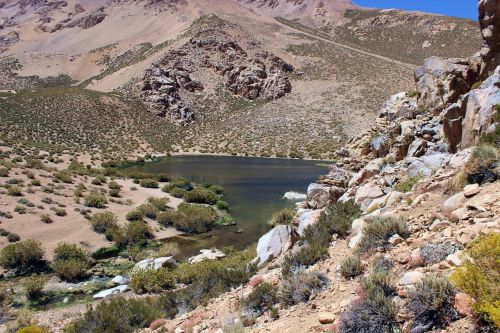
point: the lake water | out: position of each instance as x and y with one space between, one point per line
254 188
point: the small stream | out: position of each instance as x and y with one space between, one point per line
254 188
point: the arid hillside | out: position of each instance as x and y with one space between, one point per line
234 73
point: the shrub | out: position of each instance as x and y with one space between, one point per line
101 222
135 215
149 183
24 256
136 233
217 189
70 262
114 185
118 315
99 180
169 249
432 304
60 212
434 253
20 210
106 252
115 193
159 203
478 276
32 329
261 299
375 315
222 205
378 282
234 328
14 190
406 185
45 218
351 267
194 218
12 238
64 176
307 255
382 263
282 217
166 218
178 192
36 182
95 200
152 280
201 196
4 172
378 231
337 219
148 210
33 286
300 287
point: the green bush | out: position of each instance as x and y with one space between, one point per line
201 196
406 185
60 212
101 222
33 287
166 218
152 281
99 180
282 217
114 185
194 218
148 210
135 215
261 299
12 238
432 303
222 205
217 189
338 218
378 231
32 329
70 262
351 267
64 176
118 315
136 233
479 277
159 203
4 172
24 256
115 193
96 200
106 252
306 256
149 183
178 192
378 282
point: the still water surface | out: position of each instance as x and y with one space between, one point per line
254 188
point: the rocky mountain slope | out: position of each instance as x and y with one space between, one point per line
327 53
428 190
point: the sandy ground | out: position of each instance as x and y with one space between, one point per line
73 227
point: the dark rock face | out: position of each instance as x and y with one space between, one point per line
88 21
489 21
247 73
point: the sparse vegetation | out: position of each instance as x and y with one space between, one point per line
378 231
406 185
95 200
102 222
70 262
152 280
25 256
261 299
284 216
479 276
300 287
351 267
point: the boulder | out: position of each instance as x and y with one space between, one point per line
206 255
398 106
410 278
121 280
155 263
322 195
110 292
326 317
368 191
453 202
417 148
307 218
381 145
489 22
471 190
272 244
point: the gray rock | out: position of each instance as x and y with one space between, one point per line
206 255
121 280
410 278
398 106
272 244
112 291
295 196
454 202
307 218
155 263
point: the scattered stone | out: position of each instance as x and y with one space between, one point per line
471 190
326 317
155 263
121 280
395 240
454 202
110 292
206 255
410 278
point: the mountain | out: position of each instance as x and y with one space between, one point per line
311 70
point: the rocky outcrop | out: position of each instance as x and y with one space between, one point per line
251 73
489 22
473 115
88 21
272 244
8 40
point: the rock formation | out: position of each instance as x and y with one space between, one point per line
250 73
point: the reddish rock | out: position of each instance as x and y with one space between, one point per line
463 304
